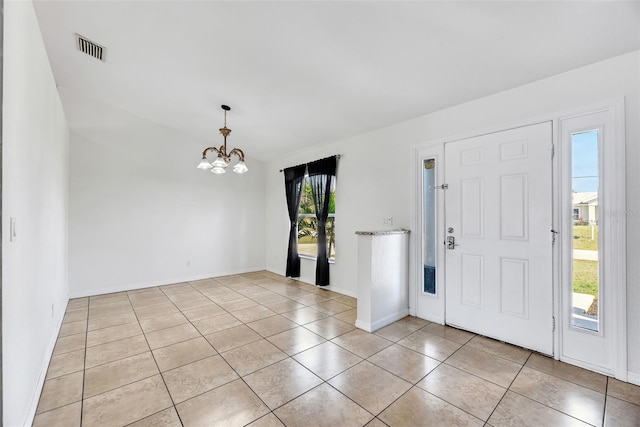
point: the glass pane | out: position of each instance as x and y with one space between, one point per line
585 243
429 226
307 223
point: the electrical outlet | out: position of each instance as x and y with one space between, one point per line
387 220
188 263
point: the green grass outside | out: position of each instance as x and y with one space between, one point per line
582 237
585 277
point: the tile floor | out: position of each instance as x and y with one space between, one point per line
261 350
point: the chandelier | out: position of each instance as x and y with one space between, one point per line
222 161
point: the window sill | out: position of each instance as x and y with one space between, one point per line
312 258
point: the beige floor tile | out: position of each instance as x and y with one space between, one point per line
157 323
254 313
221 297
230 405
190 304
108 321
329 327
184 296
416 322
166 418
407 364
176 288
348 316
254 356
430 345
516 410
107 296
239 304
70 343
281 382
507 351
419 408
369 386
196 378
75 316
159 310
115 350
621 414
624 391
487 366
119 373
268 420
272 325
362 343
60 391
217 323
395 331
113 333
452 334
310 299
592 380
268 297
322 407
304 315
231 338
66 363
327 360
156 299
331 307
175 334
78 304
296 340
284 306
65 416
375 423
203 312
472 394
126 404
353 302
182 353
100 300
110 309
145 293
580 402
73 328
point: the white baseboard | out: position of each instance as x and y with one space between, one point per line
381 323
333 288
150 284
35 399
633 377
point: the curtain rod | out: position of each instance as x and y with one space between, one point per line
337 157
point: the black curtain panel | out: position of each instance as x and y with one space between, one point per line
293 179
321 176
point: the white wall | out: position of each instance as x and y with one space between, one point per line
35 192
374 173
140 210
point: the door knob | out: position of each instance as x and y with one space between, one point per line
451 242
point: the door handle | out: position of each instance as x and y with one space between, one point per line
451 242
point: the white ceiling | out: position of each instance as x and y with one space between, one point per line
299 74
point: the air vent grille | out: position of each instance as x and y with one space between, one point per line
90 48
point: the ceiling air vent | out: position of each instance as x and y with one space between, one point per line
90 48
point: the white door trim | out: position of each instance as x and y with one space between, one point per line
437 145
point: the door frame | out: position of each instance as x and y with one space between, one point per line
435 148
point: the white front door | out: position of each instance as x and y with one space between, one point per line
499 221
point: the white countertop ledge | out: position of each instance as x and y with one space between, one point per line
383 232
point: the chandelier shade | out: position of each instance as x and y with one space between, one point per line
223 158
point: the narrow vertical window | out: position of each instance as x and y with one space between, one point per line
585 243
308 223
429 226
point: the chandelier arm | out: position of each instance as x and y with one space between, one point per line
238 152
206 150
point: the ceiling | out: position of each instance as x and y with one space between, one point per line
301 74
